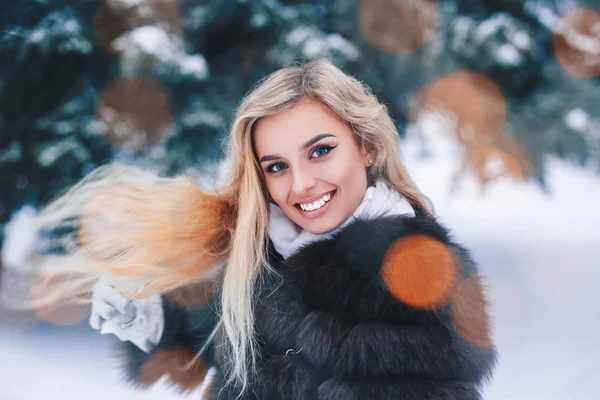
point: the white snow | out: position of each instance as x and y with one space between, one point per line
149 45
53 151
577 119
314 44
522 40
65 127
508 54
12 153
72 26
259 19
38 35
147 40
20 237
337 42
543 12
312 47
576 39
490 26
298 35
68 364
194 65
462 28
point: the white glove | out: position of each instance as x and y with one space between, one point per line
140 321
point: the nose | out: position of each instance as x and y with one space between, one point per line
303 182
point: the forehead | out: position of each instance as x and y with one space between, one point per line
291 128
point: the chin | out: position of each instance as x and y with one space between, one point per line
319 227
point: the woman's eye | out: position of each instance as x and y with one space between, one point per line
322 151
275 167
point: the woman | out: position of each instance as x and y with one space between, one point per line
339 283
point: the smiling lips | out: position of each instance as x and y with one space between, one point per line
317 207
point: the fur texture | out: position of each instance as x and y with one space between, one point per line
329 326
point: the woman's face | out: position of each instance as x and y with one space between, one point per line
313 167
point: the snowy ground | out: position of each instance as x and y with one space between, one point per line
66 363
539 252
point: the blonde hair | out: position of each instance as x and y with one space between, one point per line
171 232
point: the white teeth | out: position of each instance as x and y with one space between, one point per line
317 204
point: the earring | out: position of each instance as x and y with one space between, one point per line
370 161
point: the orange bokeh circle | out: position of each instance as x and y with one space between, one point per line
489 163
471 100
419 271
468 311
137 112
398 26
64 313
114 18
579 27
183 368
517 150
196 294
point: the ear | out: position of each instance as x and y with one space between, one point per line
369 158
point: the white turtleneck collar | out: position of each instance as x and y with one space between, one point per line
378 201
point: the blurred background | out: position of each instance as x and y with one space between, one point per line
498 107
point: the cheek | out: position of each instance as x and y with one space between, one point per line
278 189
347 171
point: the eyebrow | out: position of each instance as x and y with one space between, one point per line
303 147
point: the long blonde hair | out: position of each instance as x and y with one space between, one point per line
170 232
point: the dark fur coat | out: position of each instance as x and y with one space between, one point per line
389 308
